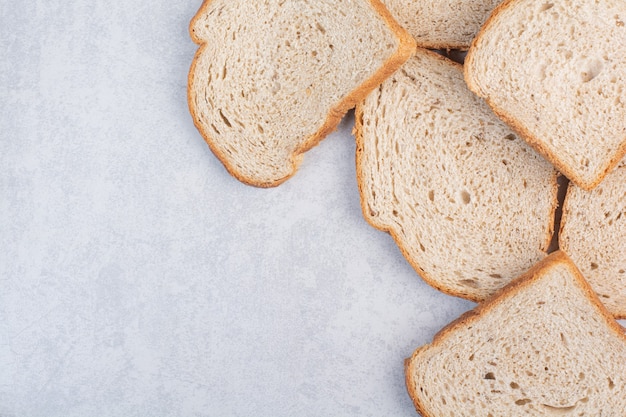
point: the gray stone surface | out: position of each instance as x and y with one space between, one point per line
137 278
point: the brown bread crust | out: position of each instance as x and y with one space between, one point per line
531 139
405 49
525 280
430 280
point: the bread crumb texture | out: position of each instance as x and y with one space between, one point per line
442 24
544 347
272 77
593 234
556 71
470 204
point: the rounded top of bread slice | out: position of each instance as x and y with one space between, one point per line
556 72
544 346
469 203
273 77
442 24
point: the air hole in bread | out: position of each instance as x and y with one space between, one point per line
465 197
472 283
489 375
225 119
320 27
546 6
581 376
594 266
431 195
611 384
510 136
496 276
558 410
594 68
514 385
523 401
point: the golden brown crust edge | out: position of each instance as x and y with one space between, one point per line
526 279
531 139
429 279
406 46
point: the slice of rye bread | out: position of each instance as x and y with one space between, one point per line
593 234
274 77
556 72
470 205
543 346
442 24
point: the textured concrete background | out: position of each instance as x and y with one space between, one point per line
137 278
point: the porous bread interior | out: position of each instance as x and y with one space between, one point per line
542 349
270 72
556 70
470 204
593 234
442 24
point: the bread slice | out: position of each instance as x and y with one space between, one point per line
544 346
556 72
470 205
593 233
274 77
442 24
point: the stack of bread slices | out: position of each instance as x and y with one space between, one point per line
479 171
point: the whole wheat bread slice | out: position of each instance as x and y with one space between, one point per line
470 205
274 77
593 234
544 346
556 72
442 24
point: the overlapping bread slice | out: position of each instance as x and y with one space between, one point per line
442 24
544 346
470 205
555 70
593 233
273 77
